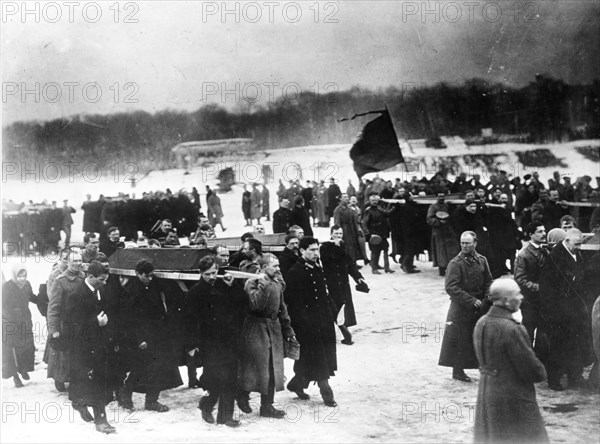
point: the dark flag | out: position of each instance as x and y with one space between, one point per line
376 148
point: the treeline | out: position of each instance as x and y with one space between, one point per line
547 110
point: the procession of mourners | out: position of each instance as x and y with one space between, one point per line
523 297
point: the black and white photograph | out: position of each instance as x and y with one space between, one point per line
300 221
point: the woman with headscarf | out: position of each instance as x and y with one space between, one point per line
17 335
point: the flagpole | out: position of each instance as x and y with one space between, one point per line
396 135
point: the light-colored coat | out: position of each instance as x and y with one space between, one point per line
507 408
262 337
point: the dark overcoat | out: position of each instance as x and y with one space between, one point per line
155 368
287 259
528 268
93 353
468 279
215 316
411 225
347 219
312 318
444 244
64 284
18 349
565 316
507 408
338 265
266 325
282 220
301 218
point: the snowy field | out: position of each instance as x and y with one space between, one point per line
389 387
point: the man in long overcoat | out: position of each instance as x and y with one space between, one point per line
256 203
507 408
289 256
65 283
346 218
443 239
338 265
300 216
528 268
411 228
266 326
565 317
375 222
91 314
311 312
468 281
282 217
214 310
154 363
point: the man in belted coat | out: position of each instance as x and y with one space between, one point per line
311 311
266 326
468 281
507 409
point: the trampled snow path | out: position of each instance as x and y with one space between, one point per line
389 387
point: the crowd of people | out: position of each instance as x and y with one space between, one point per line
110 337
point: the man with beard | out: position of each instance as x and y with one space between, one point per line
528 267
91 316
312 319
214 309
347 220
468 281
565 317
282 217
507 409
253 251
154 367
265 326
375 225
289 256
443 238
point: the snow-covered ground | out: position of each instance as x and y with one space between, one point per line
389 387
